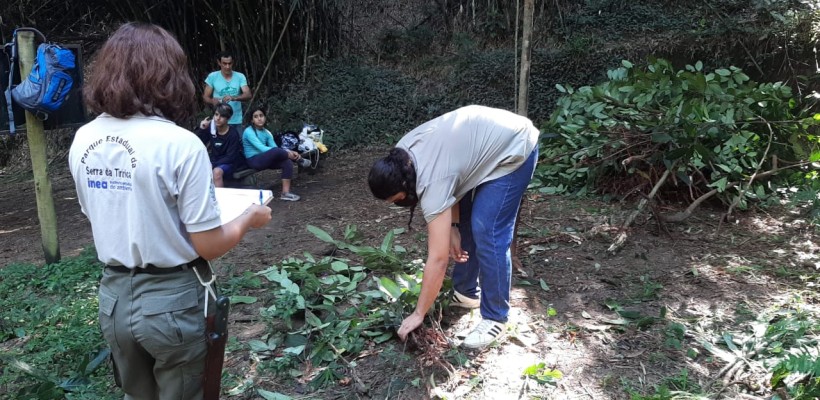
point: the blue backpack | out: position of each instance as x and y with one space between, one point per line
46 88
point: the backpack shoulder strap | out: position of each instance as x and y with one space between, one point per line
11 49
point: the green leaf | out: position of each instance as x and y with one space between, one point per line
389 287
560 88
815 156
319 233
383 337
338 266
626 64
727 338
661 138
698 66
723 72
532 370
544 286
388 240
258 346
295 350
243 299
629 314
312 319
720 184
272 395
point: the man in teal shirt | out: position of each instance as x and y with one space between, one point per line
227 86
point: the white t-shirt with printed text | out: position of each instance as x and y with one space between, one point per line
143 183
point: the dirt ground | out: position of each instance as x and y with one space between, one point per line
699 273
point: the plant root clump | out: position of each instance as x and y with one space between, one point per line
431 344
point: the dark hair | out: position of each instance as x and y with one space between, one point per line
393 174
253 111
223 54
153 80
224 110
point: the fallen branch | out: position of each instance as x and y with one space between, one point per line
680 216
621 238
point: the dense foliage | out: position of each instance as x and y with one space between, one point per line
52 344
700 132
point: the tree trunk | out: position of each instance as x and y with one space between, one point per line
526 39
523 83
39 163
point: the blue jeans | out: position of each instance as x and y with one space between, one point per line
487 220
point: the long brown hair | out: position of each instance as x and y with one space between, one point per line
141 69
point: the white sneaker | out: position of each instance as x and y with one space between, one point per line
289 197
486 332
460 300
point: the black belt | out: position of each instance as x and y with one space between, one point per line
151 269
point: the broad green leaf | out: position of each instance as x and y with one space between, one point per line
560 88
372 293
720 185
243 299
258 346
321 234
544 286
728 339
629 314
533 369
626 64
389 287
272 395
338 266
312 319
723 72
383 337
554 373
388 240
661 138
295 350
698 66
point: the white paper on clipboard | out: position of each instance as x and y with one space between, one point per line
233 202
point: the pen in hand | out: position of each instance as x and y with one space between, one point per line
260 198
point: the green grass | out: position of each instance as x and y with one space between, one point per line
49 331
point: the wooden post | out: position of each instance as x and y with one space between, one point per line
39 163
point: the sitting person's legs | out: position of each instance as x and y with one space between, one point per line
220 172
276 158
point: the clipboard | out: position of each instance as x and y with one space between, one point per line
233 202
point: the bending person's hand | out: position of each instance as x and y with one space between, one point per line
410 324
456 253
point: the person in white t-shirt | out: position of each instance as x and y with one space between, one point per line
145 185
468 170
